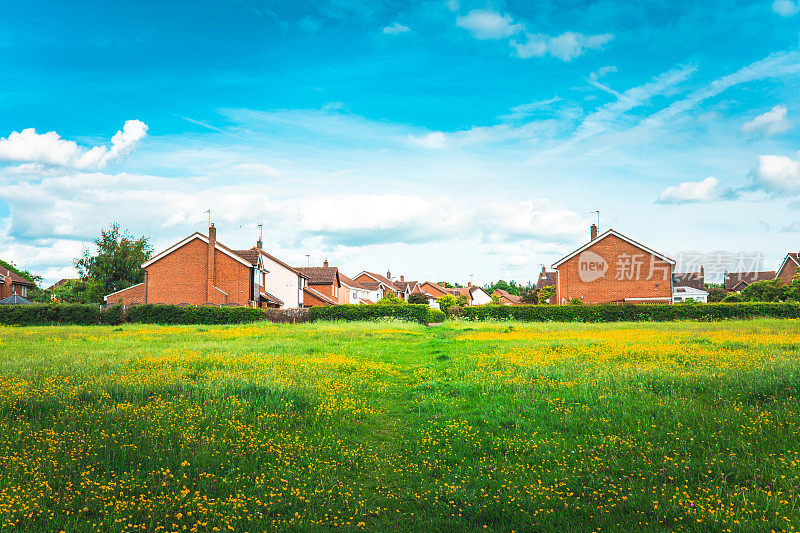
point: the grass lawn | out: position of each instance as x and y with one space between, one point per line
399 427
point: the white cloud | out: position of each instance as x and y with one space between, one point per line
432 140
777 173
396 28
565 47
768 124
256 169
50 149
786 8
484 24
691 191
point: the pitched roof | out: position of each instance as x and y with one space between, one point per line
197 235
505 295
791 256
14 278
271 298
320 275
319 296
14 299
547 279
619 236
739 280
377 277
251 255
405 285
370 285
59 283
365 301
353 284
437 287
688 279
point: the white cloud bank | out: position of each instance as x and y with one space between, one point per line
50 149
490 25
777 173
432 141
786 8
768 124
692 191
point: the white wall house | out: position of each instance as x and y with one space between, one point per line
283 281
480 296
687 294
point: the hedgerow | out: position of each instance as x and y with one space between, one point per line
174 314
355 312
631 313
46 314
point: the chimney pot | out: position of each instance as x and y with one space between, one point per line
389 274
325 263
402 278
259 244
593 232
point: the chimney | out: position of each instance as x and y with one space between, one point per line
469 284
593 232
211 267
388 274
325 263
543 269
702 276
259 245
402 278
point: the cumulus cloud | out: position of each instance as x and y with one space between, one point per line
786 8
256 169
484 24
692 191
50 149
433 140
776 173
395 29
565 47
768 124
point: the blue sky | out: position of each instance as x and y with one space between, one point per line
436 139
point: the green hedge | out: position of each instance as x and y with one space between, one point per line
435 316
355 312
173 314
632 313
46 314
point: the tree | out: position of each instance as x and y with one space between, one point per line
529 297
546 293
445 302
116 265
391 299
765 291
76 291
715 293
417 298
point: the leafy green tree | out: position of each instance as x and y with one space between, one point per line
446 302
391 299
765 291
529 297
732 298
715 293
417 298
116 264
77 291
545 293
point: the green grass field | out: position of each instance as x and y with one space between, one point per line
399 427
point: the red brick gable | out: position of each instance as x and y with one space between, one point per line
614 269
788 268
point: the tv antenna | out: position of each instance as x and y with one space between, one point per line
209 216
308 259
597 212
260 231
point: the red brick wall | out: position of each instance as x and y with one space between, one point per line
609 288
310 300
327 290
786 274
433 291
131 295
181 277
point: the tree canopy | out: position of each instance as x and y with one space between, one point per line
116 263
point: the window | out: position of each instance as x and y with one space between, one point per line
23 291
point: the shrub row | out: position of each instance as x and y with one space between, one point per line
173 314
355 312
632 313
87 314
435 316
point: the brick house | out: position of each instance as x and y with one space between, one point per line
434 289
379 285
506 298
198 270
282 285
354 292
788 268
12 283
406 288
737 281
547 279
613 268
324 285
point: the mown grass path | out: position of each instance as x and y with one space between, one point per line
399 427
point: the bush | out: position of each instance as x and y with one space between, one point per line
173 314
113 315
633 313
418 298
732 298
391 299
354 312
47 314
435 316
454 311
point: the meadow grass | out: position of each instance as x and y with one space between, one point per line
398 427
